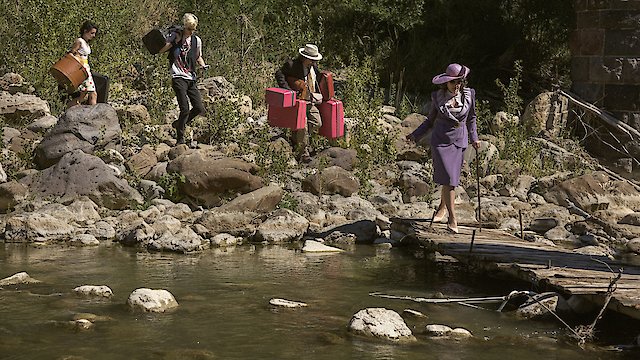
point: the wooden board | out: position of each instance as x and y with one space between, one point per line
545 265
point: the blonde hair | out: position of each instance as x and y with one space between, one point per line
190 21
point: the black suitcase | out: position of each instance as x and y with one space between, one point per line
154 41
102 86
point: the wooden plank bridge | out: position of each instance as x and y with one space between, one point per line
548 267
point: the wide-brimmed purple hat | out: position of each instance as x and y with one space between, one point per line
454 71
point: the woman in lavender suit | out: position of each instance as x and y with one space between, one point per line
453 118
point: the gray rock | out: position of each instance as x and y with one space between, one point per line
533 309
43 124
380 323
101 230
185 240
22 108
149 300
286 303
263 200
634 245
36 227
235 223
542 225
151 190
224 240
460 333
558 233
157 172
18 278
631 219
437 330
332 180
85 128
3 175
11 194
84 240
142 162
209 177
335 156
312 246
94 290
80 174
283 225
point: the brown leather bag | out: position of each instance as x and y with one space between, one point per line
299 86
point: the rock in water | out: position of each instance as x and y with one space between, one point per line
380 323
150 300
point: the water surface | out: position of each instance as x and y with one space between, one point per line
224 310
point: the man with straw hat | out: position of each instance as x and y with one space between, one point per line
302 75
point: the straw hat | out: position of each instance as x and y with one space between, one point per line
310 51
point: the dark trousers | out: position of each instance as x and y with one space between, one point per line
186 91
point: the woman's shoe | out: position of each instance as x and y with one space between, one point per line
438 219
452 229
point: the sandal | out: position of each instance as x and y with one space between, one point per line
452 229
438 219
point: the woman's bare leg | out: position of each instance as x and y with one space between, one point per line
449 197
92 98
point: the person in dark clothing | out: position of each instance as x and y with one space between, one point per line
185 52
302 75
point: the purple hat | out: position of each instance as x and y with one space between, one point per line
454 71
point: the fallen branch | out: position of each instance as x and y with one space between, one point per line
476 300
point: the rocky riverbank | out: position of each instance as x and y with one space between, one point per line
93 174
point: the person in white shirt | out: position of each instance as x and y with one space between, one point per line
185 52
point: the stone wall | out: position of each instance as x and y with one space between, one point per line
605 50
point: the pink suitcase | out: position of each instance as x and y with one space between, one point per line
280 97
293 117
332 114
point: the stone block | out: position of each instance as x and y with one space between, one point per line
588 19
591 42
619 19
580 68
605 70
598 4
592 93
625 4
622 97
622 43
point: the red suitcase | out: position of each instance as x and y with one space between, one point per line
326 85
332 115
280 97
293 117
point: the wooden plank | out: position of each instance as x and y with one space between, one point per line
569 272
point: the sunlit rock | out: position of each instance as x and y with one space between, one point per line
93 290
312 246
380 323
150 300
286 303
437 330
19 278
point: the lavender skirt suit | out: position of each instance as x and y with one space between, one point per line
450 135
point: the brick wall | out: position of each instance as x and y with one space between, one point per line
605 49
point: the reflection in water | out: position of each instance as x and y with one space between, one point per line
224 307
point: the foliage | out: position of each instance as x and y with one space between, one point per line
288 202
171 183
512 100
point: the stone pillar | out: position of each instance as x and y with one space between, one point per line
605 48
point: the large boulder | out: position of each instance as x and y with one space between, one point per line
142 162
593 192
21 108
150 300
36 227
80 174
11 194
336 156
380 323
548 111
263 200
232 222
282 225
87 128
332 180
209 177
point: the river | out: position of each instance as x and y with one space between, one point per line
224 310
